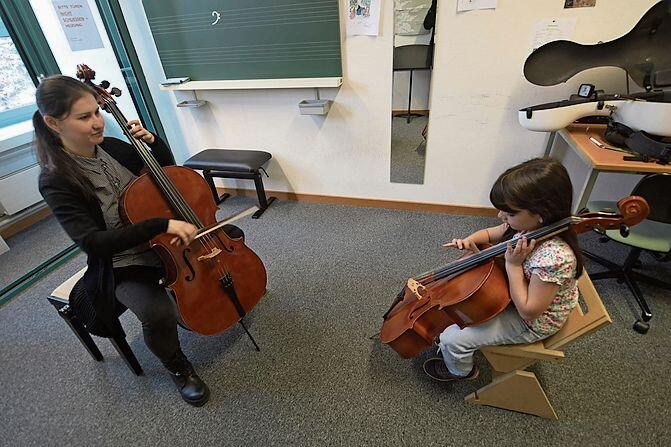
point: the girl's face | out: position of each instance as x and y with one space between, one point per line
521 220
83 127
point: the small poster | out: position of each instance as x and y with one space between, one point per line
470 5
548 30
579 3
78 25
363 17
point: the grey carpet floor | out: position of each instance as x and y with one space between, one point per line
408 150
30 247
319 380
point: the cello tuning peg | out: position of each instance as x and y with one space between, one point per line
105 84
624 230
115 91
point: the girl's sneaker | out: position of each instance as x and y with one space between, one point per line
436 369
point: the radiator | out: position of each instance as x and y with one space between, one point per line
18 190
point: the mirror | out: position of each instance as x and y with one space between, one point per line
414 22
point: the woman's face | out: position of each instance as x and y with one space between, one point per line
83 127
521 220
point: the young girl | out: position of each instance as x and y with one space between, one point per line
541 274
82 177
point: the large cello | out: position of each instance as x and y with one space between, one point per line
216 279
474 289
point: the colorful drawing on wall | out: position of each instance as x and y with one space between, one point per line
579 3
359 8
363 17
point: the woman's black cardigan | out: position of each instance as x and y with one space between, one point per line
93 297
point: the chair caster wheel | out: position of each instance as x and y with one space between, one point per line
641 327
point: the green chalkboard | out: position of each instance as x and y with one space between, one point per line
246 39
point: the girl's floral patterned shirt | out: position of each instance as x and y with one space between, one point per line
553 261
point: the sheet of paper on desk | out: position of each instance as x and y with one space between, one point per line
549 30
470 5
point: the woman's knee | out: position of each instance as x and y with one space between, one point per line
161 313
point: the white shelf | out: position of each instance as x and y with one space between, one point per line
249 84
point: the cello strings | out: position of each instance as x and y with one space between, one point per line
158 174
164 183
480 257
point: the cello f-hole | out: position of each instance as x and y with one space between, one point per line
188 264
223 244
426 302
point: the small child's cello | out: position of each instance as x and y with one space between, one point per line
474 288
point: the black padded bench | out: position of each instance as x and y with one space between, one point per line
230 163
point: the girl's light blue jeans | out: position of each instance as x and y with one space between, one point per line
458 345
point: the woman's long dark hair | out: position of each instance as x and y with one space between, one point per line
541 186
54 97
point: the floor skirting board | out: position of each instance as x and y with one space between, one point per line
376 203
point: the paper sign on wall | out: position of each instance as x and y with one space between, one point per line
470 5
77 22
548 30
362 17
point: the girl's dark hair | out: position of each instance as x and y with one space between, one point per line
541 186
54 97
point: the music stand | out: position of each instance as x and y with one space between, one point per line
411 57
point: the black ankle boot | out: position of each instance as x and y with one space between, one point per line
192 388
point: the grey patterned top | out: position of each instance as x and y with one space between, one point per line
109 179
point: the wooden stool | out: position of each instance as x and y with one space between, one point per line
512 388
229 163
60 299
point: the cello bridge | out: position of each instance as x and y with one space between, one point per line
416 287
215 252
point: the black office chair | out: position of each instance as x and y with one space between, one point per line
652 235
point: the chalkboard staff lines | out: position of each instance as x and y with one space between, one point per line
206 21
260 61
243 57
241 16
251 57
314 42
316 4
196 59
226 23
235 52
251 20
214 28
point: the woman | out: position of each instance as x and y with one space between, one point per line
82 177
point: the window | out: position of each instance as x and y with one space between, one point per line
17 91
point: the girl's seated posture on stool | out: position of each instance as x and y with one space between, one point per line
541 275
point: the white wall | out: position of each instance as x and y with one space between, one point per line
477 88
479 85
